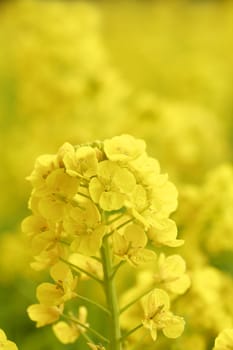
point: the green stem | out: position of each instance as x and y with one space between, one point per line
86 337
138 345
120 226
116 267
88 328
101 307
110 222
79 269
124 308
131 331
111 296
84 195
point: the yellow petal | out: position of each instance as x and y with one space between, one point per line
43 314
51 208
87 161
135 234
174 327
61 271
124 180
96 188
124 148
154 301
65 333
6 344
89 242
60 182
224 340
180 285
120 244
172 267
49 294
2 335
141 256
111 200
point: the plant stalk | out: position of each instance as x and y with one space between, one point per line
111 295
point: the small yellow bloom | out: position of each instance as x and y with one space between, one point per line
44 238
68 332
61 188
65 332
82 162
124 148
6 344
44 165
163 231
84 227
137 202
158 317
172 273
56 294
131 245
62 275
111 185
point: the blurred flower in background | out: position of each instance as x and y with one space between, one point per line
160 70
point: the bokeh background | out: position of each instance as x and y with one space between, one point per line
160 70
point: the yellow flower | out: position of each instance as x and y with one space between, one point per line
124 148
163 195
172 273
82 162
65 332
61 184
44 240
6 344
84 227
69 332
130 245
158 317
56 294
111 185
145 168
44 165
62 275
34 224
61 188
43 314
137 202
163 231
224 340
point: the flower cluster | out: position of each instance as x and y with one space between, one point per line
75 188
95 198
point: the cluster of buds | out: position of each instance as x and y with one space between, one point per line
95 207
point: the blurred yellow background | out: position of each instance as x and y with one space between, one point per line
161 70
